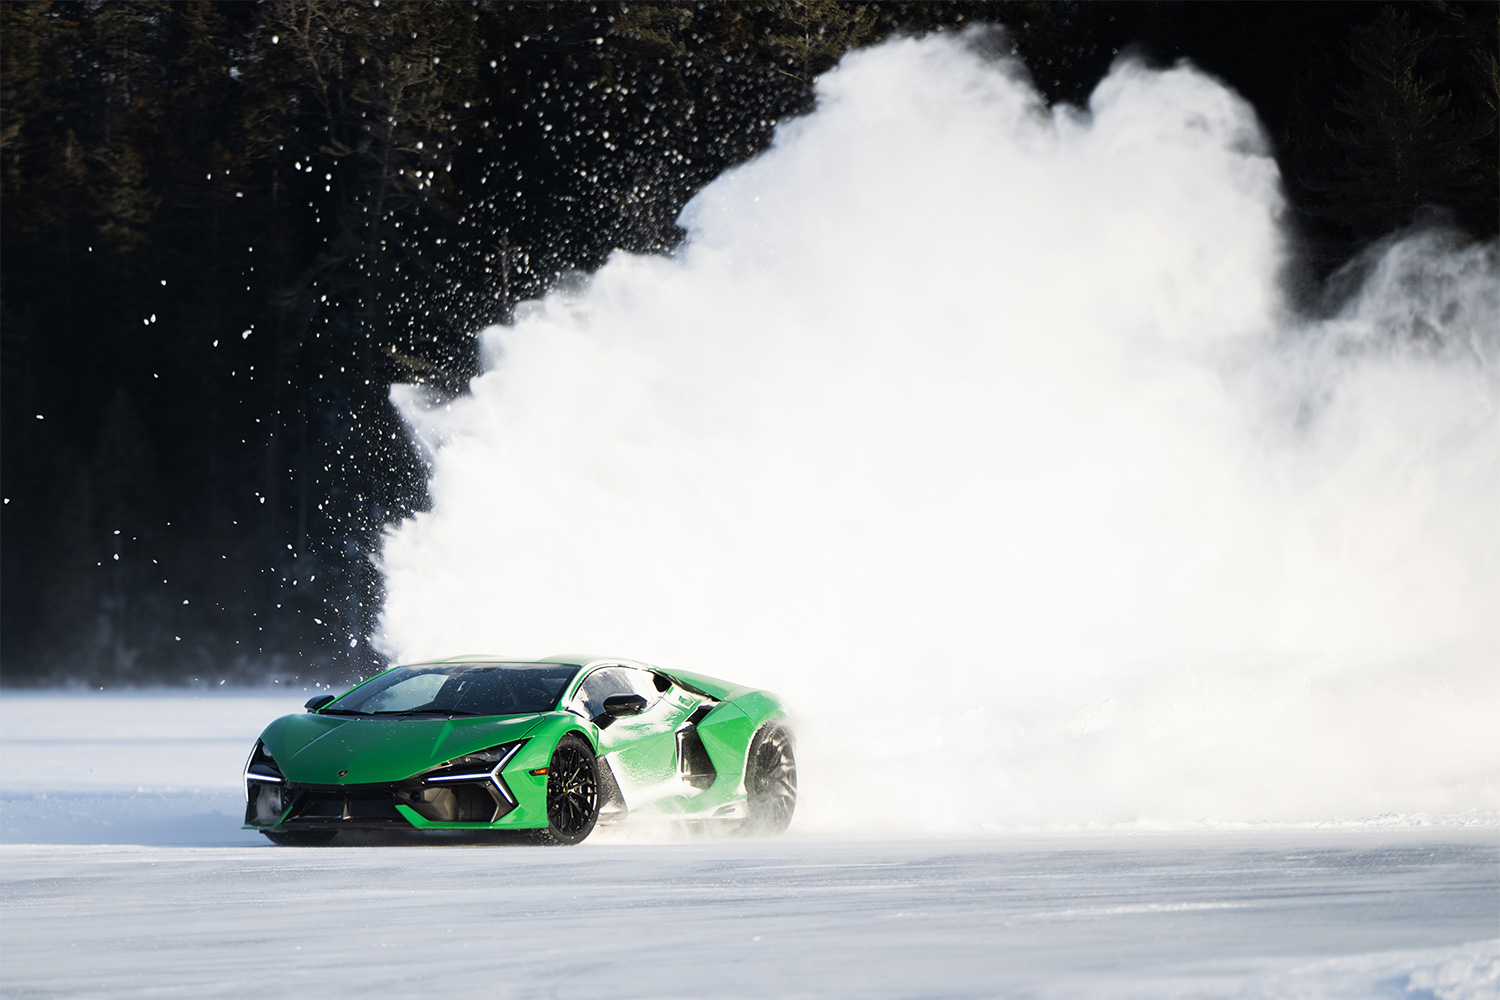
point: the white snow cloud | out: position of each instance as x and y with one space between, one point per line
985 435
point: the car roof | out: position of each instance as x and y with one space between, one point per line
563 659
701 683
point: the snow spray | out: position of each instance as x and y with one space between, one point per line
985 434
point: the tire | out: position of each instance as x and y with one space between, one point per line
572 792
300 838
770 781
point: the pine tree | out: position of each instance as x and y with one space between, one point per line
1404 146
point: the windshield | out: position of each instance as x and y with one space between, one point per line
459 689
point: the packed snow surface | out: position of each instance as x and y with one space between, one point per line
123 873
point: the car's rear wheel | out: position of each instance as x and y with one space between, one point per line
770 781
300 838
572 792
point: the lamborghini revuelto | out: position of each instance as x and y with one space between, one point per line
551 746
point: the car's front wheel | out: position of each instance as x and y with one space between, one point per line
300 838
572 792
770 781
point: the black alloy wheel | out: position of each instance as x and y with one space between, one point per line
572 792
300 838
770 781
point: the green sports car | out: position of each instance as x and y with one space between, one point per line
551 746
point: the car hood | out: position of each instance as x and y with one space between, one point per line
346 750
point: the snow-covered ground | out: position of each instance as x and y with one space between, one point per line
124 873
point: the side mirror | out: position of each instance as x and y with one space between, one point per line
618 705
313 704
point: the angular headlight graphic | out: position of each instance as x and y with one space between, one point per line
262 767
265 788
468 789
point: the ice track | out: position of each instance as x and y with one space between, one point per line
130 878
1155 919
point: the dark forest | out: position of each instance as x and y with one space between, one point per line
228 228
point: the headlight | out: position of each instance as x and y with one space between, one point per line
467 789
261 767
265 788
484 765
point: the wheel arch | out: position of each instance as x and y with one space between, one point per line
730 728
545 737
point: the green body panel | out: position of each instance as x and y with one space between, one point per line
726 736
643 749
722 690
417 820
726 733
530 789
312 749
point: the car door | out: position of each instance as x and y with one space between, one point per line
642 749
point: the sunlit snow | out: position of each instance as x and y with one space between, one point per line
123 873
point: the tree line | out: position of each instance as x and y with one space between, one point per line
228 228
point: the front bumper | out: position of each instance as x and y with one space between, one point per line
459 797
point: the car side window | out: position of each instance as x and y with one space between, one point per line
609 681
